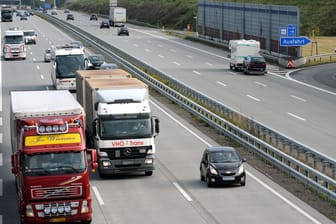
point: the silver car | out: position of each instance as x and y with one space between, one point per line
47 55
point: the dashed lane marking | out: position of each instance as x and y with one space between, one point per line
1 159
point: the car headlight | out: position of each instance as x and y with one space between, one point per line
241 169
213 170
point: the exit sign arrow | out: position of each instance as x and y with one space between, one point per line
294 41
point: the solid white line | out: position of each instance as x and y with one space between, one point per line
220 83
284 199
176 63
97 194
296 116
1 159
180 189
298 98
253 98
196 72
261 84
248 173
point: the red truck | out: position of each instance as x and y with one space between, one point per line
50 160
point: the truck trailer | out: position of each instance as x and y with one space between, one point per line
117 16
119 124
50 158
240 49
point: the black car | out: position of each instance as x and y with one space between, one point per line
123 31
93 17
95 61
70 17
254 65
221 165
104 24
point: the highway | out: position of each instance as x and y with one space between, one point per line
174 194
299 111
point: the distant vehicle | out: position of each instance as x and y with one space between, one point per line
95 61
70 17
93 17
107 66
66 11
14 46
47 55
104 24
77 43
123 31
29 36
6 14
239 50
254 65
220 164
23 17
53 12
117 16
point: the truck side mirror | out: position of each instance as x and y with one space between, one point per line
229 55
96 106
15 165
157 125
94 127
94 160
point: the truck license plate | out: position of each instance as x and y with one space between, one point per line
61 219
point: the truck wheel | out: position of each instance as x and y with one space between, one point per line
86 222
149 173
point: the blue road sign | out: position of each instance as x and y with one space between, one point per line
291 30
294 41
283 31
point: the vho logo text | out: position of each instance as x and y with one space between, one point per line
127 143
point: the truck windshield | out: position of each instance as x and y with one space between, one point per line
14 39
54 163
125 128
67 65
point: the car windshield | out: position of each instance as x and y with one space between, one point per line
257 59
42 164
29 33
223 157
96 58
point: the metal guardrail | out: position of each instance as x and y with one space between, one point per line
322 58
311 167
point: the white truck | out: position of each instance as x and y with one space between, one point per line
239 50
117 16
14 45
65 61
119 124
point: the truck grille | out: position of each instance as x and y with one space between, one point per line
56 192
126 153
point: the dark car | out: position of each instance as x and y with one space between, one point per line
221 165
95 61
70 17
93 17
254 65
104 24
123 31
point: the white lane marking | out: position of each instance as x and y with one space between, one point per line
34 59
176 63
189 56
0 121
98 196
296 116
196 72
284 199
147 50
232 73
1 219
253 98
173 50
1 159
182 191
1 187
1 138
261 84
42 76
220 83
248 173
298 98
31 53
135 45
207 63
161 56
38 67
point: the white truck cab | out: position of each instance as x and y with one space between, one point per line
14 45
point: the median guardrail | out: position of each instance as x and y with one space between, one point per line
314 169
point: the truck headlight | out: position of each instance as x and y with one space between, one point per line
85 207
106 163
149 161
29 211
213 170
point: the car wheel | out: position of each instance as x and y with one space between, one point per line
149 173
202 177
207 181
243 181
